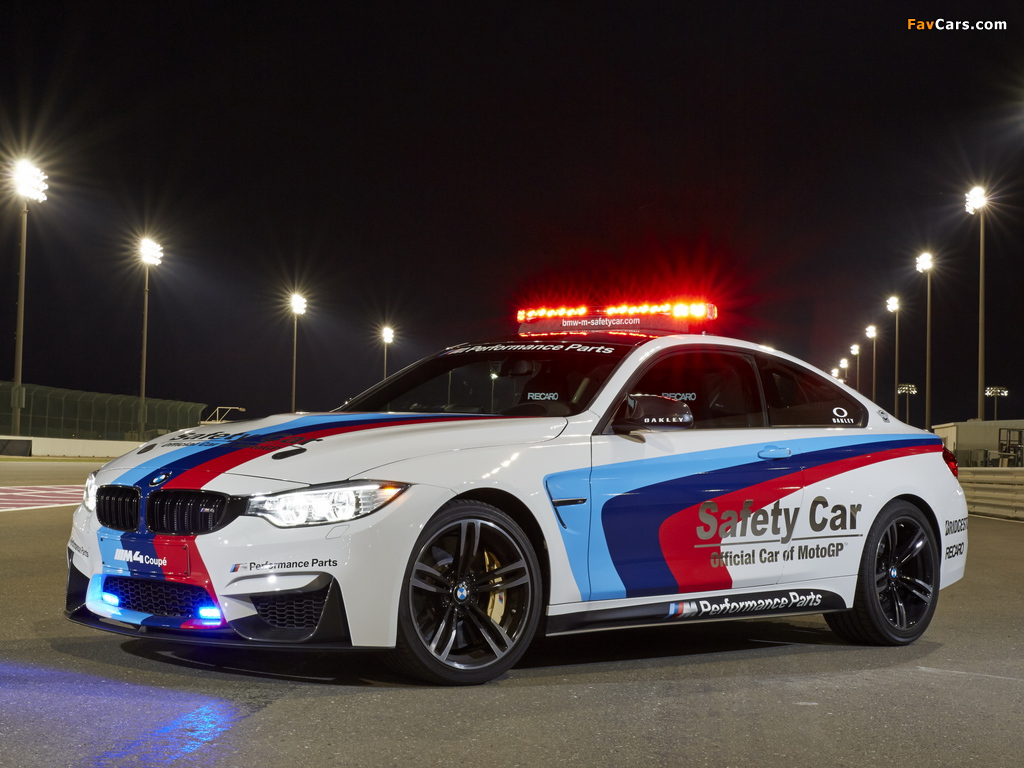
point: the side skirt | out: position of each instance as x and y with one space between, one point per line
683 611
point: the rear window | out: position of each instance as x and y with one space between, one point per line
797 397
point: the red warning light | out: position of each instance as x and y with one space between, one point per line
526 315
667 315
699 310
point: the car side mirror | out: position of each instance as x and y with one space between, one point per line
652 413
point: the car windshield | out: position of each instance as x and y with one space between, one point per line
513 378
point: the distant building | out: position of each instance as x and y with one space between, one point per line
985 443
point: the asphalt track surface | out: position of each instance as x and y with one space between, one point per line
742 694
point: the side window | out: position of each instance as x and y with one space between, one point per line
720 387
797 397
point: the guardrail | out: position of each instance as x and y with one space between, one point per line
59 447
994 491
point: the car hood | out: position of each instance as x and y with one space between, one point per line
295 450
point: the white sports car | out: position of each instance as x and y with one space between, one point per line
595 471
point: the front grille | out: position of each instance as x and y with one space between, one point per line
160 598
117 507
297 610
185 513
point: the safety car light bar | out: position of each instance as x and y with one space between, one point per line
679 316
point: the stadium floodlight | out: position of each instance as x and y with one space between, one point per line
995 393
151 254
29 181
976 203
388 335
872 333
925 264
893 305
298 304
29 184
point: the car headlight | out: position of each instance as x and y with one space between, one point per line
91 487
324 504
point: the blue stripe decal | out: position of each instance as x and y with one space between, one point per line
574 484
810 451
829 452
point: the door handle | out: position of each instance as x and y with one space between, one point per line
774 452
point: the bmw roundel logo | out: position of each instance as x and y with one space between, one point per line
161 478
461 593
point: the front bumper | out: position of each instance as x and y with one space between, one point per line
311 619
316 587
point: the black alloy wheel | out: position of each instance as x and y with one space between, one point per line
898 584
471 597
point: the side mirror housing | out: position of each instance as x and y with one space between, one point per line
652 413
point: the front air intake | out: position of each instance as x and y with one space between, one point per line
291 610
160 598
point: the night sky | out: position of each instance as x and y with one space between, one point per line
435 166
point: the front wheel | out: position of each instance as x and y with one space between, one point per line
471 597
898 582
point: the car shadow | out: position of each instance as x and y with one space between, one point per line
695 641
564 655
350 669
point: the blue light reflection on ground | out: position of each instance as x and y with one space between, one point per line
167 745
97 722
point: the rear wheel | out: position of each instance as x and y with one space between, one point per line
898 583
471 598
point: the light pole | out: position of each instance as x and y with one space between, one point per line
151 255
976 202
925 264
893 305
872 333
844 366
908 390
388 334
855 351
29 184
995 393
298 308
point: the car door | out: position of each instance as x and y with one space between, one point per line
705 508
836 453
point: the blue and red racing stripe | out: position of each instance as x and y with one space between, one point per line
651 531
193 466
130 555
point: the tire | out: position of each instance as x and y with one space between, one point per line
898 583
471 597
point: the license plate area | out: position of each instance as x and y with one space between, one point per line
144 556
